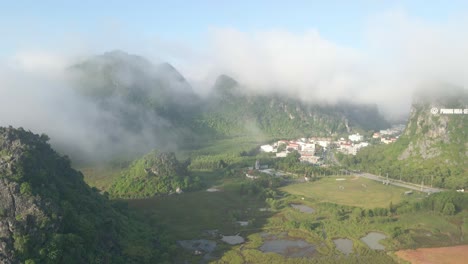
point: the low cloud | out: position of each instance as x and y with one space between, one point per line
398 54
38 93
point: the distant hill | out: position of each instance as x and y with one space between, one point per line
230 111
49 215
433 147
141 106
154 174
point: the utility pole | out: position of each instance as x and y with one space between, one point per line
432 178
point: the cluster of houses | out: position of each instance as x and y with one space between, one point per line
310 148
390 135
352 145
307 148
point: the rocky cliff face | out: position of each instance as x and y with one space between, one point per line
22 216
430 132
49 215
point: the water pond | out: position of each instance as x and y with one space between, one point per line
233 240
289 248
344 245
303 208
198 245
372 240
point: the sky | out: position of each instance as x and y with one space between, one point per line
367 51
51 24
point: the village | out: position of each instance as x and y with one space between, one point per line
312 149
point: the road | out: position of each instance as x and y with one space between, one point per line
403 184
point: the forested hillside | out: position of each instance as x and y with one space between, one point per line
154 174
49 215
231 111
433 148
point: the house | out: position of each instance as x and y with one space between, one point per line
387 140
293 146
355 137
267 148
250 175
362 145
376 135
307 158
308 148
323 143
282 154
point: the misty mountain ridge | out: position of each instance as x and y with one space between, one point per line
281 115
141 106
137 102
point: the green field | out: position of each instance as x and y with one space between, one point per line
188 215
356 191
100 177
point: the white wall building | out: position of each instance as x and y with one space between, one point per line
267 148
308 148
323 143
355 137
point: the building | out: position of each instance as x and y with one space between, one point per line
323 143
307 158
250 175
388 140
267 148
310 148
282 154
293 146
355 137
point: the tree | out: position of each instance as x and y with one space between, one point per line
449 209
281 147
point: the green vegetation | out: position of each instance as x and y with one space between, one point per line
359 192
156 173
59 219
187 216
432 148
231 113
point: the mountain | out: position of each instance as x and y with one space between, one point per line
134 106
154 174
231 111
49 215
433 147
138 105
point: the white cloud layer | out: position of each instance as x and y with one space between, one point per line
398 54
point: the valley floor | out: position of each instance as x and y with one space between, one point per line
300 236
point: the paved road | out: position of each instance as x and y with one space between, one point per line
403 184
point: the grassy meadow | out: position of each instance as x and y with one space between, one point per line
356 191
